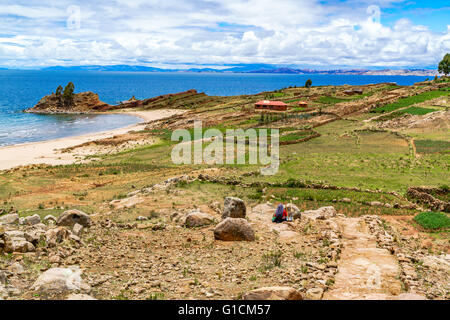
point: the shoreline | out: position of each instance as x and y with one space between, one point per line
47 151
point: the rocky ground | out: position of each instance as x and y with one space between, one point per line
216 251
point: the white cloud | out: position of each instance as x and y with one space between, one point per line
298 32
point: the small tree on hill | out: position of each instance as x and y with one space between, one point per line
308 83
444 65
68 94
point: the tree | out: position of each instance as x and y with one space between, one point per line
59 91
308 83
59 95
68 94
444 65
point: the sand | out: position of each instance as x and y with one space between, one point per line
48 152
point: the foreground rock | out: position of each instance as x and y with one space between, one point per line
273 293
234 229
198 219
12 218
71 217
61 280
321 213
233 208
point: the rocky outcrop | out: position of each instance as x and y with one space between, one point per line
273 293
422 196
71 217
233 208
82 102
234 229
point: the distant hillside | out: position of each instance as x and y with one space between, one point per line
252 68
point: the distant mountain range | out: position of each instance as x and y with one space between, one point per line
248 68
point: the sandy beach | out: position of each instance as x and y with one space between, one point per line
48 152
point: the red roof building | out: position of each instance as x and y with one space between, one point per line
271 105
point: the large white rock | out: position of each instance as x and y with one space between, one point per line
61 280
320 214
12 218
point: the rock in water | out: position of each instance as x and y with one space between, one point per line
70 217
198 219
233 208
273 293
234 229
61 280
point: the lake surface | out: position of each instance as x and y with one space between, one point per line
20 90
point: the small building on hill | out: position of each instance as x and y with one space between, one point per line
303 104
271 105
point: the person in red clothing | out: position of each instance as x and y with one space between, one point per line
285 214
280 214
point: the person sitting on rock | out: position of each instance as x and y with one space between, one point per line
280 214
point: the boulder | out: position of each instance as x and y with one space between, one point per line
273 293
50 219
314 294
12 218
321 213
56 235
34 235
346 200
234 229
61 280
233 208
32 220
376 204
18 244
198 219
70 217
77 229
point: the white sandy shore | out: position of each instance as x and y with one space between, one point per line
47 152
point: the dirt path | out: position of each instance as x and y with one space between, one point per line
364 271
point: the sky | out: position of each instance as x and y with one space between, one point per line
302 33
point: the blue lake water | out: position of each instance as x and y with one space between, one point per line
20 90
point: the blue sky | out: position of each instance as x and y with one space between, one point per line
304 33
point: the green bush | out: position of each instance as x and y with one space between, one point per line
433 220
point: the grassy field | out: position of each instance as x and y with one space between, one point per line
343 156
406 102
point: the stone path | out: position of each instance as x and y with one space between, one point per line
364 271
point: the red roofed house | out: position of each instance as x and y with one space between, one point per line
271 105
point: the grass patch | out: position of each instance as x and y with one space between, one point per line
432 146
433 220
